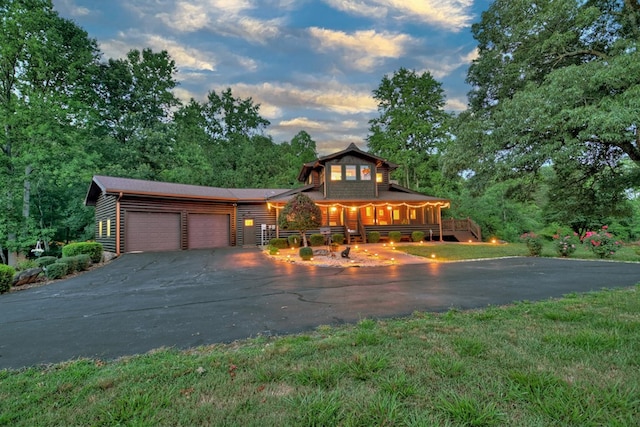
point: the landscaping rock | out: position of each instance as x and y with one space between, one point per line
27 276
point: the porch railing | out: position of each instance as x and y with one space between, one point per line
453 225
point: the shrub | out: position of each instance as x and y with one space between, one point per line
565 243
373 237
83 261
294 241
306 253
602 243
533 242
71 263
279 242
6 277
93 249
56 270
337 238
273 250
316 239
417 236
26 264
395 236
43 261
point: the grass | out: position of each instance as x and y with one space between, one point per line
571 362
466 251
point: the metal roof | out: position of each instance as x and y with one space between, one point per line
114 185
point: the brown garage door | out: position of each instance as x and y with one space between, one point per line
208 231
152 231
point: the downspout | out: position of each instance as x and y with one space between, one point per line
118 224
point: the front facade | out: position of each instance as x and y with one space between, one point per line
351 187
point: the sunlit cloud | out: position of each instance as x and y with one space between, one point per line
452 15
445 64
333 97
362 49
456 104
220 17
72 8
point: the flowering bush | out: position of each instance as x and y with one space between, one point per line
534 243
602 243
565 244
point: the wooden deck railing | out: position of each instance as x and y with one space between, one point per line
431 231
462 225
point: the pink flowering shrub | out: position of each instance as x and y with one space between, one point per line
602 243
565 243
533 242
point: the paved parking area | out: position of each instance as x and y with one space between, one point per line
183 299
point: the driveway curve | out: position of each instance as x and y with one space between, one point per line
140 302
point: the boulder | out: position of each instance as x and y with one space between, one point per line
27 276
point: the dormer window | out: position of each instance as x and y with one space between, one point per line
365 172
336 172
350 172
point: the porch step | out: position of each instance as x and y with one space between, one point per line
462 236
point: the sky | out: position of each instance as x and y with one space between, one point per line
311 65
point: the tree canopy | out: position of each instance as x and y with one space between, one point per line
556 84
412 127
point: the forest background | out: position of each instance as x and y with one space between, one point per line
550 138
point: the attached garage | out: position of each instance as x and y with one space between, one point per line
152 231
207 231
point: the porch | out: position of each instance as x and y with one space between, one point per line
461 230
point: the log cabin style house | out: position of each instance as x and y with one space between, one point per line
352 188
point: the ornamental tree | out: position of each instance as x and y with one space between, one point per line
301 214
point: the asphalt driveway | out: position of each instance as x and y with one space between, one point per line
184 299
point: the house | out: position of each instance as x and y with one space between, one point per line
352 187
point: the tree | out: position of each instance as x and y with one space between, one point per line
554 77
134 108
413 126
556 83
302 214
46 64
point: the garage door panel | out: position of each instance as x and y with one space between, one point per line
208 231
152 231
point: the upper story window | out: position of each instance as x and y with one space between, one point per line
365 172
336 172
350 172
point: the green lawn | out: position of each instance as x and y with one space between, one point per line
568 362
466 251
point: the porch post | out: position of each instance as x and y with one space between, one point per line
440 220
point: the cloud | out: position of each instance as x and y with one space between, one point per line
71 8
363 50
333 97
452 15
223 17
186 58
445 64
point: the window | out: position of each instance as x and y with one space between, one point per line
413 214
248 222
336 172
350 172
379 177
100 229
396 214
365 172
109 227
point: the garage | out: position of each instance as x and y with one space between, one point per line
152 231
207 231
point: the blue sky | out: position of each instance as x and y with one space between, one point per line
311 64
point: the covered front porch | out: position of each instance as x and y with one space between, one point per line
356 220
